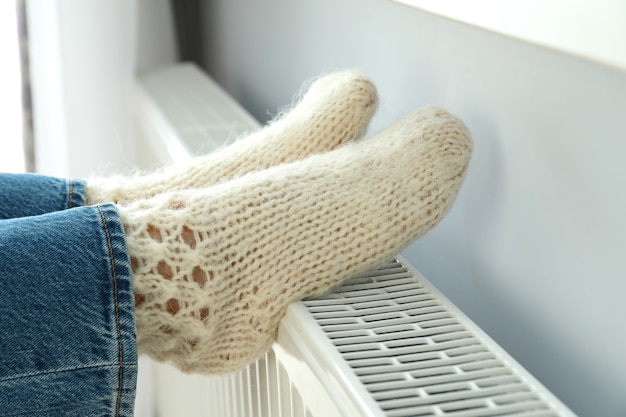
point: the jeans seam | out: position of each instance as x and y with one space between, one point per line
71 194
117 317
56 371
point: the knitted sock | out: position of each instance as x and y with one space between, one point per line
215 269
336 109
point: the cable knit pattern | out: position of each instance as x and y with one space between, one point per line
336 109
215 269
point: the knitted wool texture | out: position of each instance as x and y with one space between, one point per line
336 109
215 269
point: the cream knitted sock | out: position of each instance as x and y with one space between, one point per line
214 269
336 109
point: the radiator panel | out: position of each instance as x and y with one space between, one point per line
415 355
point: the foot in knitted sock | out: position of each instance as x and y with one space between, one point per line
215 269
336 109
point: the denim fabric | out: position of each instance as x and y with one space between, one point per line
24 195
67 327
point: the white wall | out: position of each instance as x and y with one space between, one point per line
12 155
84 58
82 66
533 249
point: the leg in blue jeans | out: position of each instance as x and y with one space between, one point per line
67 329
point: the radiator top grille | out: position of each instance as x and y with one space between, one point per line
415 356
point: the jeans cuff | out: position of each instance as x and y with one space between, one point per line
76 192
121 275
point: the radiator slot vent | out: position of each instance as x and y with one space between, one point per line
414 355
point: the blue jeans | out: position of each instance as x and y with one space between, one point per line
67 325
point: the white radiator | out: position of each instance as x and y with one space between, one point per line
385 343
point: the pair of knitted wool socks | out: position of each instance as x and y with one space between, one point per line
222 246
